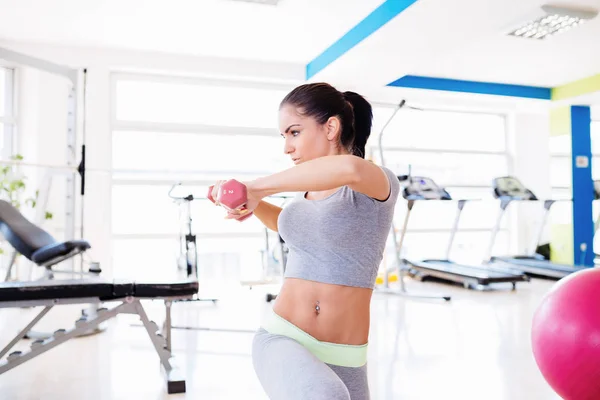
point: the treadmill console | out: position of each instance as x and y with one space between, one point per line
509 187
422 188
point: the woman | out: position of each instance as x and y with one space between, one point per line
314 343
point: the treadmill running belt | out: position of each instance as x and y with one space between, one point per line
103 289
462 270
540 266
484 275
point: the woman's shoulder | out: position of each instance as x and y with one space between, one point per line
393 179
394 189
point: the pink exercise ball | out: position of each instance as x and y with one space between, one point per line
566 336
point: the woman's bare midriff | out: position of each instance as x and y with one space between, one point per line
343 314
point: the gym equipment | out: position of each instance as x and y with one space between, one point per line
188 255
481 278
76 81
50 174
232 195
400 267
42 249
34 243
509 189
52 293
564 336
188 252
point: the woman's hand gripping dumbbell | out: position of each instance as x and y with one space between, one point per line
234 197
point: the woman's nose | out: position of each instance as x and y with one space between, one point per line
288 148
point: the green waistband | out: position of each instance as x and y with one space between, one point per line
344 355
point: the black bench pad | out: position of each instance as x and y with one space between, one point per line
103 289
56 250
149 290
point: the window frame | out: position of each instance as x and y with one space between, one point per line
198 128
503 116
8 118
510 215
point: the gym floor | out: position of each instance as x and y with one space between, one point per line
475 347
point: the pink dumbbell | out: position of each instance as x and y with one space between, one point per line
232 195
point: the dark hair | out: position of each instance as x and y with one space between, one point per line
322 101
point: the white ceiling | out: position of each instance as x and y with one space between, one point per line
466 39
293 31
459 39
492 56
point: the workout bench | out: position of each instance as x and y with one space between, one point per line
128 294
33 242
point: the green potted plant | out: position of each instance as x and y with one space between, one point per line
12 187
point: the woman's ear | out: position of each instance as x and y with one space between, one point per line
334 128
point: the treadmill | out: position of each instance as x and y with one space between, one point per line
509 189
444 270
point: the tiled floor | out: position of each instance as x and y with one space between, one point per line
475 347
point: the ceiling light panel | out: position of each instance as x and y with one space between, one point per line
555 20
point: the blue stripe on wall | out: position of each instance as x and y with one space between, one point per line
454 85
379 17
583 186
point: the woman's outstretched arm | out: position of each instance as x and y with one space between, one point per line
325 173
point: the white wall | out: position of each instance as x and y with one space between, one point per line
595 113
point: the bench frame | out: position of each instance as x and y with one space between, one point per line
161 340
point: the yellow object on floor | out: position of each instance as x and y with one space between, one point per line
391 278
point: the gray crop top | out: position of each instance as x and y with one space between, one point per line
339 239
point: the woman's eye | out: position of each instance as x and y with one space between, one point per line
293 133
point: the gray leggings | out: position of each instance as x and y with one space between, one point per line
288 371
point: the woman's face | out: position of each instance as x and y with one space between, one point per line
305 139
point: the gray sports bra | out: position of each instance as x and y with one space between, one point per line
339 239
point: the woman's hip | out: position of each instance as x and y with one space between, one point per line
343 355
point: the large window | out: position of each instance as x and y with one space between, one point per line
7 119
194 131
168 130
441 130
461 152
205 156
198 102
